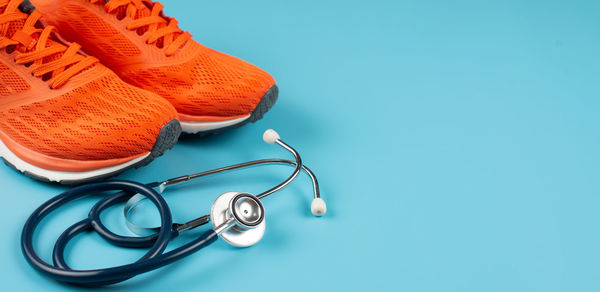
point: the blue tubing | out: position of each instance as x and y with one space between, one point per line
153 259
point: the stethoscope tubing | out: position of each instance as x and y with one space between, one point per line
119 240
153 259
156 256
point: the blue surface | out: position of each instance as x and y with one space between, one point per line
457 145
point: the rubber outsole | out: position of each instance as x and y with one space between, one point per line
167 138
265 104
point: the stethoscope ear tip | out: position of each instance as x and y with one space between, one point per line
270 136
318 207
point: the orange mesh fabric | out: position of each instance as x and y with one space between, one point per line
105 119
198 81
212 84
10 82
73 20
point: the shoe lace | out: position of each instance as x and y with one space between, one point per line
37 47
147 16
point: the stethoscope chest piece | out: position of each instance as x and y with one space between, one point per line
238 218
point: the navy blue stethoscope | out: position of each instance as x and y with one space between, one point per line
238 218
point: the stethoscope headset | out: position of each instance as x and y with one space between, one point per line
238 218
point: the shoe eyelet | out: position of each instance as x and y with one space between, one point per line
10 49
46 77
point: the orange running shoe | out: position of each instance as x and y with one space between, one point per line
210 90
66 118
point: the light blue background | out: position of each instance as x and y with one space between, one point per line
457 143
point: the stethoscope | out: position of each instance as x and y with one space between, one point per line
238 218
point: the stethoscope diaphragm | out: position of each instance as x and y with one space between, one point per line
238 218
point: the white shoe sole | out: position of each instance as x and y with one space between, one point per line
60 176
201 127
166 139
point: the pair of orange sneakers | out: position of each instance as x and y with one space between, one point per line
72 116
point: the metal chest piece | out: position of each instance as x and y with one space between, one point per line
246 215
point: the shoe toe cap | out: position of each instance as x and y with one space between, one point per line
210 84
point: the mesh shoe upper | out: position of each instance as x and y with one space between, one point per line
58 103
103 119
10 82
159 57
